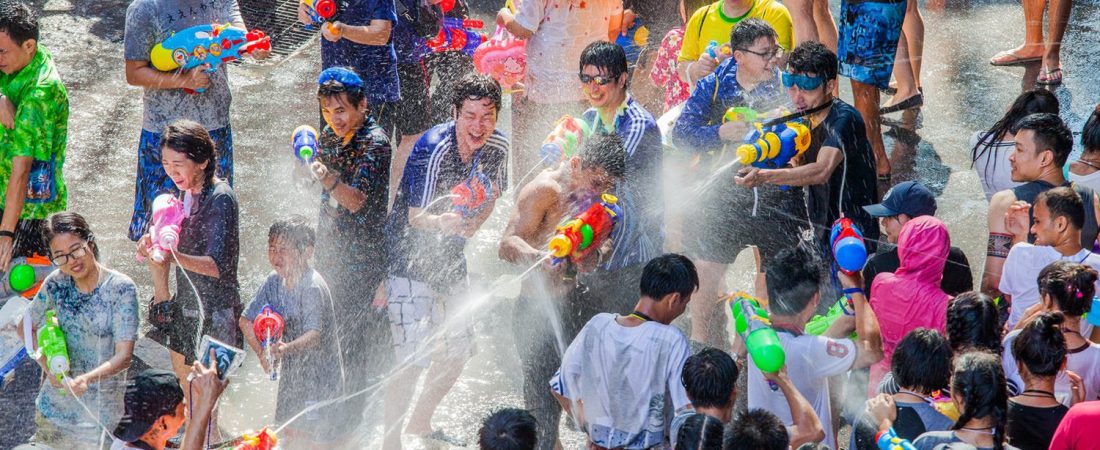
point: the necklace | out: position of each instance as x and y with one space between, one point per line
640 316
1089 163
1037 393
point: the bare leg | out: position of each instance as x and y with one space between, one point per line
826 26
441 378
1058 18
706 323
1033 30
866 101
913 31
802 14
399 394
397 163
903 73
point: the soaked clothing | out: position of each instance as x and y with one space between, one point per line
935 439
93 324
869 33
376 64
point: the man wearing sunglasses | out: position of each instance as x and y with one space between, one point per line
838 169
729 218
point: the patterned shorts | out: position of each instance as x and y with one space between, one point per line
152 181
869 33
416 314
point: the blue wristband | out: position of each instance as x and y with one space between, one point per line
855 290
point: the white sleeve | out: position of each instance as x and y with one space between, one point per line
564 380
529 14
1008 363
831 357
1011 284
677 393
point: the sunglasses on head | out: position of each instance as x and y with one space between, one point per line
804 82
599 79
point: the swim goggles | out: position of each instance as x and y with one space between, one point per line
599 79
350 81
804 82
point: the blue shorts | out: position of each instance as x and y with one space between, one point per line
152 180
869 33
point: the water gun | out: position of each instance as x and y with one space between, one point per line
633 41
773 146
264 439
51 344
304 143
503 57
206 44
943 404
164 229
562 143
889 440
469 196
849 251
819 324
742 114
753 325
1094 317
26 275
577 237
319 11
268 325
456 35
714 49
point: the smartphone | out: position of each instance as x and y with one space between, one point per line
227 357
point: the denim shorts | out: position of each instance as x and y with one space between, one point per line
869 33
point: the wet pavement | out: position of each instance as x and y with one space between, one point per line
963 94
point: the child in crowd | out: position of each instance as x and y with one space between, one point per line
306 358
508 429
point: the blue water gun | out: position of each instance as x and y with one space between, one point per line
889 440
319 11
206 44
304 144
774 146
849 250
633 41
457 35
714 49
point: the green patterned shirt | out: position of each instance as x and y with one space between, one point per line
41 132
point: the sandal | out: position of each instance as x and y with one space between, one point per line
915 101
1047 77
1010 58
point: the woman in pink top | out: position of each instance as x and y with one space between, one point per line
911 297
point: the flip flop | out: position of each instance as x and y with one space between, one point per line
915 101
1047 78
1010 58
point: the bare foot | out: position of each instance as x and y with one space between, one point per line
1021 54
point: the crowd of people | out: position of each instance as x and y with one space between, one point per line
904 346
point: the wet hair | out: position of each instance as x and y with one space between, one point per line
295 229
191 139
709 378
757 429
508 429
669 273
973 322
1090 134
922 361
18 21
748 31
475 86
334 88
1040 346
604 151
792 278
605 56
1070 285
700 432
1030 102
979 383
1063 201
813 57
69 222
1051 134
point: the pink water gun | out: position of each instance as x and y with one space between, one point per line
168 215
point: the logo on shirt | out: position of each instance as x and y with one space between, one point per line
836 349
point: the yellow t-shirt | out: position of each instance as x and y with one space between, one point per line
710 24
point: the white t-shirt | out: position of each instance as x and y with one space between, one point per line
1084 362
563 28
628 379
1020 275
811 360
119 445
992 165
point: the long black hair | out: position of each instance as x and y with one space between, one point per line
973 323
1030 102
979 383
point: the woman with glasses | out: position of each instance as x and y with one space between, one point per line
96 309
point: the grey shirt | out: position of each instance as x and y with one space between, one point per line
931 439
150 22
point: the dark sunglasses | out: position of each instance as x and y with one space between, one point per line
804 82
599 79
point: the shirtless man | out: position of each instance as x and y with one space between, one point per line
545 321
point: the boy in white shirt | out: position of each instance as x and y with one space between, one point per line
793 281
620 377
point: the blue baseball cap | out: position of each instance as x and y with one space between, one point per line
347 77
910 198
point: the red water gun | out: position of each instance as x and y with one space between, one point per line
264 439
578 236
268 326
469 196
456 35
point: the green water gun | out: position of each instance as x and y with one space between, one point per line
742 114
51 344
753 325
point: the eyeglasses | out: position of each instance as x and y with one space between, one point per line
61 260
599 79
804 82
769 55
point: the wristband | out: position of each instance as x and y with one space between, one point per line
7 234
854 290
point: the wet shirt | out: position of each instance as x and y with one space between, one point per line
312 375
934 439
353 240
150 22
710 24
376 64
41 133
433 170
637 236
93 324
211 230
409 47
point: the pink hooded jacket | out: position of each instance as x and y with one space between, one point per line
910 297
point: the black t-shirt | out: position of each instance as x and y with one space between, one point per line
1031 428
852 183
211 230
956 273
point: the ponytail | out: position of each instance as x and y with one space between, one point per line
979 383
